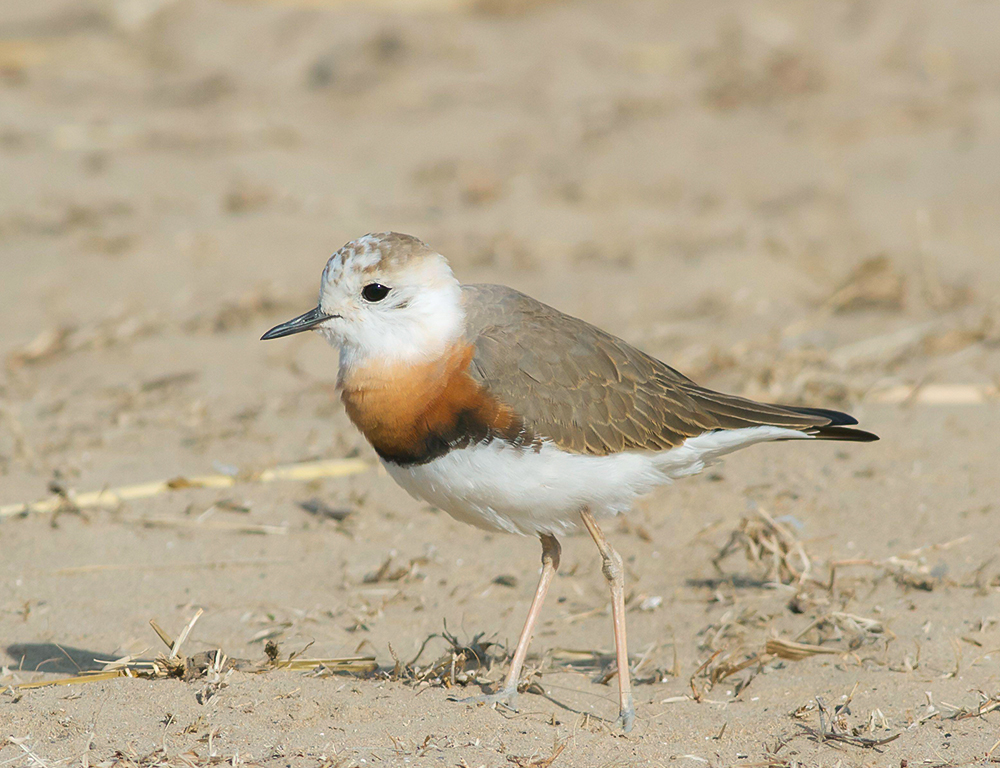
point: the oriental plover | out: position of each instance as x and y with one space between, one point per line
515 417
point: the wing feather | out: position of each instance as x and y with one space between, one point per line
590 392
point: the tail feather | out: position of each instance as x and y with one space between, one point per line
837 429
833 432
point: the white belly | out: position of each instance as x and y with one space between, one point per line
502 488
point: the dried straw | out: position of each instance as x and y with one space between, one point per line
211 664
113 497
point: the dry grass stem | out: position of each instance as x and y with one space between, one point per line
211 525
113 497
907 569
212 666
834 727
792 651
386 573
767 542
460 665
535 762
986 705
176 645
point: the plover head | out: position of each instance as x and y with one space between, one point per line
384 297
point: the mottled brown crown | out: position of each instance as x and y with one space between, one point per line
385 250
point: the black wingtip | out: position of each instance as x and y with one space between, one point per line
837 418
839 427
834 432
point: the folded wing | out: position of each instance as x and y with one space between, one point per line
590 392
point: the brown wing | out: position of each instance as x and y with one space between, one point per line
590 392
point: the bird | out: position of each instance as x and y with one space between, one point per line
518 418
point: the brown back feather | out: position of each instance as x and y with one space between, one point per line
592 393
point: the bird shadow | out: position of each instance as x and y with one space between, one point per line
54 658
514 710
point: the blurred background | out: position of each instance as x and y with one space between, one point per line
658 166
795 201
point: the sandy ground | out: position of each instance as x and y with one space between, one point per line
797 201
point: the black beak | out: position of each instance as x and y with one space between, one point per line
305 322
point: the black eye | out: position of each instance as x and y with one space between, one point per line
374 292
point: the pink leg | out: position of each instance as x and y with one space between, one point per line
550 563
615 574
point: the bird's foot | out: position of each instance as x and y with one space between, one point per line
505 697
626 717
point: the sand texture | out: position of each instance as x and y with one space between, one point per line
794 201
